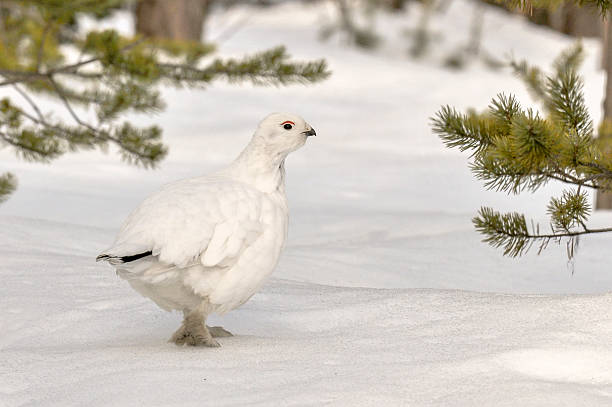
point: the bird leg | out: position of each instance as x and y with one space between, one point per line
193 331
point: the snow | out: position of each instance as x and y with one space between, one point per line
376 301
75 335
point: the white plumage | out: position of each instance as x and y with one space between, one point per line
206 244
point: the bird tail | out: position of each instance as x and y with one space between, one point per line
117 260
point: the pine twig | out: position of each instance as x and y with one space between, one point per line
19 76
30 102
41 47
66 103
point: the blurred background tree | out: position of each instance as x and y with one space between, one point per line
359 35
43 53
175 20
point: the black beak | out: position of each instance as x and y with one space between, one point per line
310 132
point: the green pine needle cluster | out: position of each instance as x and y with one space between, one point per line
569 211
503 230
513 149
112 76
8 184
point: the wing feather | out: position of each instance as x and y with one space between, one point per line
210 221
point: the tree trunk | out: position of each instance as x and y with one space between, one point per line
603 200
578 21
175 20
604 45
396 4
473 47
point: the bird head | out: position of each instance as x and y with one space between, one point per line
282 133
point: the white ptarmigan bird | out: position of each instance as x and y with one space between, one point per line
207 244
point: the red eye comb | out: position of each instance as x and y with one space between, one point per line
288 121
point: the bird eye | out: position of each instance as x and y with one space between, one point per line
288 125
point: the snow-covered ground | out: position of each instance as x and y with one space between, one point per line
384 295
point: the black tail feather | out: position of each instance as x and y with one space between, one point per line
123 259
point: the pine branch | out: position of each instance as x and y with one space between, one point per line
33 146
568 179
569 59
137 146
116 74
565 101
502 176
66 103
505 108
532 144
606 172
265 68
570 210
69 69
29 100
41 46
532 76
140 146
515 150
461 131
509 231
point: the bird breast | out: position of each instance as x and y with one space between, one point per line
228 288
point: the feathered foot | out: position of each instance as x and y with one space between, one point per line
193 332
219 332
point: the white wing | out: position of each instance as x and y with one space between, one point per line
208 220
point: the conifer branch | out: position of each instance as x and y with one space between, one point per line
116 74
531 76
606 172
66 103
461 131
510 232
33 147
29 100
69 69
513 150
41 46
569 179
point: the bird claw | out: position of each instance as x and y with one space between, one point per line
219 332
184 337
208 342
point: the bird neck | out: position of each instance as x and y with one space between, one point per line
260 167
